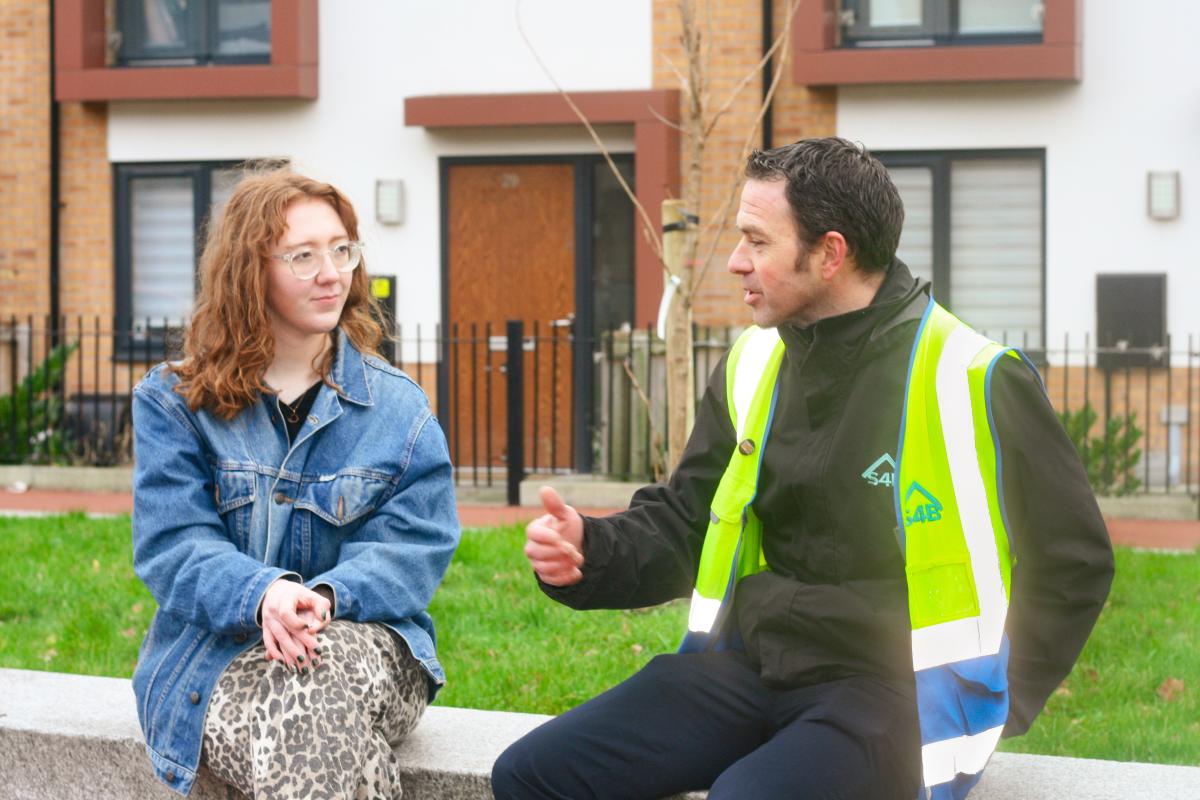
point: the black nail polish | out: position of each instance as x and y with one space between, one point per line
304 670
318 650
300 658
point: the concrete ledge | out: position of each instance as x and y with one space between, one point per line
580 490
1175 506
585 491
590 492
72 479
74 736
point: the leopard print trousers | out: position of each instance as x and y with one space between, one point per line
271 733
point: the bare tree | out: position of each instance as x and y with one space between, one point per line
683 236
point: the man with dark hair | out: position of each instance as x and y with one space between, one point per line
891 547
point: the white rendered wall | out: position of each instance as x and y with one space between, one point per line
375 53
1137 109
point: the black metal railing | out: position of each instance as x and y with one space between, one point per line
589 403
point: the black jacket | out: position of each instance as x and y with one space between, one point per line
834 602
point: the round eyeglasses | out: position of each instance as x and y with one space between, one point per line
306 262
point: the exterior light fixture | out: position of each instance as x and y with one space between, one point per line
389 202
1162 195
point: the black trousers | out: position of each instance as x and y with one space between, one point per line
701 720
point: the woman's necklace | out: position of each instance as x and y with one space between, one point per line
292 413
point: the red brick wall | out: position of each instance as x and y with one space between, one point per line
85 192
86 221
24 157
736 48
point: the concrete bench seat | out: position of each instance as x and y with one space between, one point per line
73 736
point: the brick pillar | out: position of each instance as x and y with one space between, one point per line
25 157
736 48
86 223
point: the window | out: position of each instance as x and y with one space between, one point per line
186 32
925 23
974 225
160 214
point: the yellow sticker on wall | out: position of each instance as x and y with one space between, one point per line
381 288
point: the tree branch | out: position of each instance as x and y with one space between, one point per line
762 63
722 216
650 230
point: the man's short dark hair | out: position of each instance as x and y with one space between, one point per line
836 185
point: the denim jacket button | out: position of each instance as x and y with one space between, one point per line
280 498
195 698
170 776
240 638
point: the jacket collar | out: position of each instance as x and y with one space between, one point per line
349 372
847 334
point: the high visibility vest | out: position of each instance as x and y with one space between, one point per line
953 535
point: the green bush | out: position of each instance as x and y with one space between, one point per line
31 416
1110 459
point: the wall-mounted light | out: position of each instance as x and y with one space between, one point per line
389 202
1162 194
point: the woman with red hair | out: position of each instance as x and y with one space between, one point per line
293 515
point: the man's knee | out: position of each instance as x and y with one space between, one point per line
514 775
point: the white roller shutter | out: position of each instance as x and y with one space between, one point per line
163 244
916 239
996 248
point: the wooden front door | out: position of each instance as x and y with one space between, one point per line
510 242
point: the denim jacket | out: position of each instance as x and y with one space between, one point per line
362 501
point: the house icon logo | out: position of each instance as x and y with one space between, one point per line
882 472
920 505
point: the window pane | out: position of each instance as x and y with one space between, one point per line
999 16
996 248
895 13
164 250
223 181
165 23
244 28
613 242
916 240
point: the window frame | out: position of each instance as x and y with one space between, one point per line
202 32
819 61
939 163
939 29
126 346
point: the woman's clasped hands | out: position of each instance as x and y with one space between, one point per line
292 616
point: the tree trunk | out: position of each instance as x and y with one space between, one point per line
681 392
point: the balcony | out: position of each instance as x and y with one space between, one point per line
203 49
846 42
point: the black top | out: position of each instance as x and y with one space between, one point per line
293 413
834 602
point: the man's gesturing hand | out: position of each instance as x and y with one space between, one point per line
554 541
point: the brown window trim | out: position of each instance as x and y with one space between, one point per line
820 62
81 74
653 113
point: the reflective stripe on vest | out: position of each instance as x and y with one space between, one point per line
949 510
733 542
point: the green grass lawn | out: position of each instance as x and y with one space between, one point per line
72 604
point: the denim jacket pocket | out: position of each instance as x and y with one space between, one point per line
234 496
344 498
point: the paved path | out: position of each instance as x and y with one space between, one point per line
1164 534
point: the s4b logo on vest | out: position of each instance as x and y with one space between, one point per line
882 472
920 505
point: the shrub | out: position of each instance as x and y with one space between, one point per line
31 416
1111 458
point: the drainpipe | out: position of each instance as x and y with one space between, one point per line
768 38
55 135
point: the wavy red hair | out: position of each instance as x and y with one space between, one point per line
229 343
